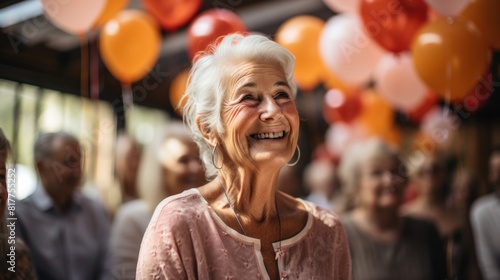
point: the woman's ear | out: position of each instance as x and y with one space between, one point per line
207 133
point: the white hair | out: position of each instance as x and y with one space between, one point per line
352 162
207 83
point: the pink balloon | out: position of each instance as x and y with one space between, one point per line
448 7
342 6
73 16
347 50
398 83
340 136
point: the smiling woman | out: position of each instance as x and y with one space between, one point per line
242 113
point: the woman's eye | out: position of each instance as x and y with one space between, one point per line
282 94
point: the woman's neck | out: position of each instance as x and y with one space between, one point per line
380 219
253 194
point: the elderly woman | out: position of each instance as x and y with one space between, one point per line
383 244
172 165
21 266
242 112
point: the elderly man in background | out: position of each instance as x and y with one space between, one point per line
66 232
485 220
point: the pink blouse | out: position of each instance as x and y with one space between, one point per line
186 239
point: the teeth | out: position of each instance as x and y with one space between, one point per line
272 135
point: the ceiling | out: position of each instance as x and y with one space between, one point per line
35 52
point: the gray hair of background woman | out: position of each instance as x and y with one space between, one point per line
208 85
352 162
151 185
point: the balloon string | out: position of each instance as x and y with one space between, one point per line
84 66
447 93
94 74
128 101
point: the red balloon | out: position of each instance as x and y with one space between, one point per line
339 107
393 23
172 14
431 101
209 26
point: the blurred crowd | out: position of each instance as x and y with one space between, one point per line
423 218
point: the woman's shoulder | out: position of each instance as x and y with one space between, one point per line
322 216
176 208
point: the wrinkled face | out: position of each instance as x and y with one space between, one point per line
181 165
495 170
61 173
381 184
3 184
430 177
260 117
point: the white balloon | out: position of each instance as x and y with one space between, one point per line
398 83
448 7
347 50
343 6
440 126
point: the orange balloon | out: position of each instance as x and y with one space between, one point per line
111 9
130 45
484 14
177 89
450 56
377 115
300 35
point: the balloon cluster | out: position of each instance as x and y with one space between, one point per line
378 56
130 40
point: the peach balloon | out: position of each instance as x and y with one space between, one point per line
130 45
300 35
177 89
75 16
450 55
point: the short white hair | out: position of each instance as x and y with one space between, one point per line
207 83
353 160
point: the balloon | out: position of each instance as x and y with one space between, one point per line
484 14
398 82
342 6
340 136
377 115
393 23
429 103
130 45
330 81
440 127
172 14
111 9
300 35
347 51
177 89
339 107
209 26
448 7
450 55
75 16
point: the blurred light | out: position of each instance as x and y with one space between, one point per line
430 38
26 181
334 98
19 12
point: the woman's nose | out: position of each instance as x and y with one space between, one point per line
271 110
